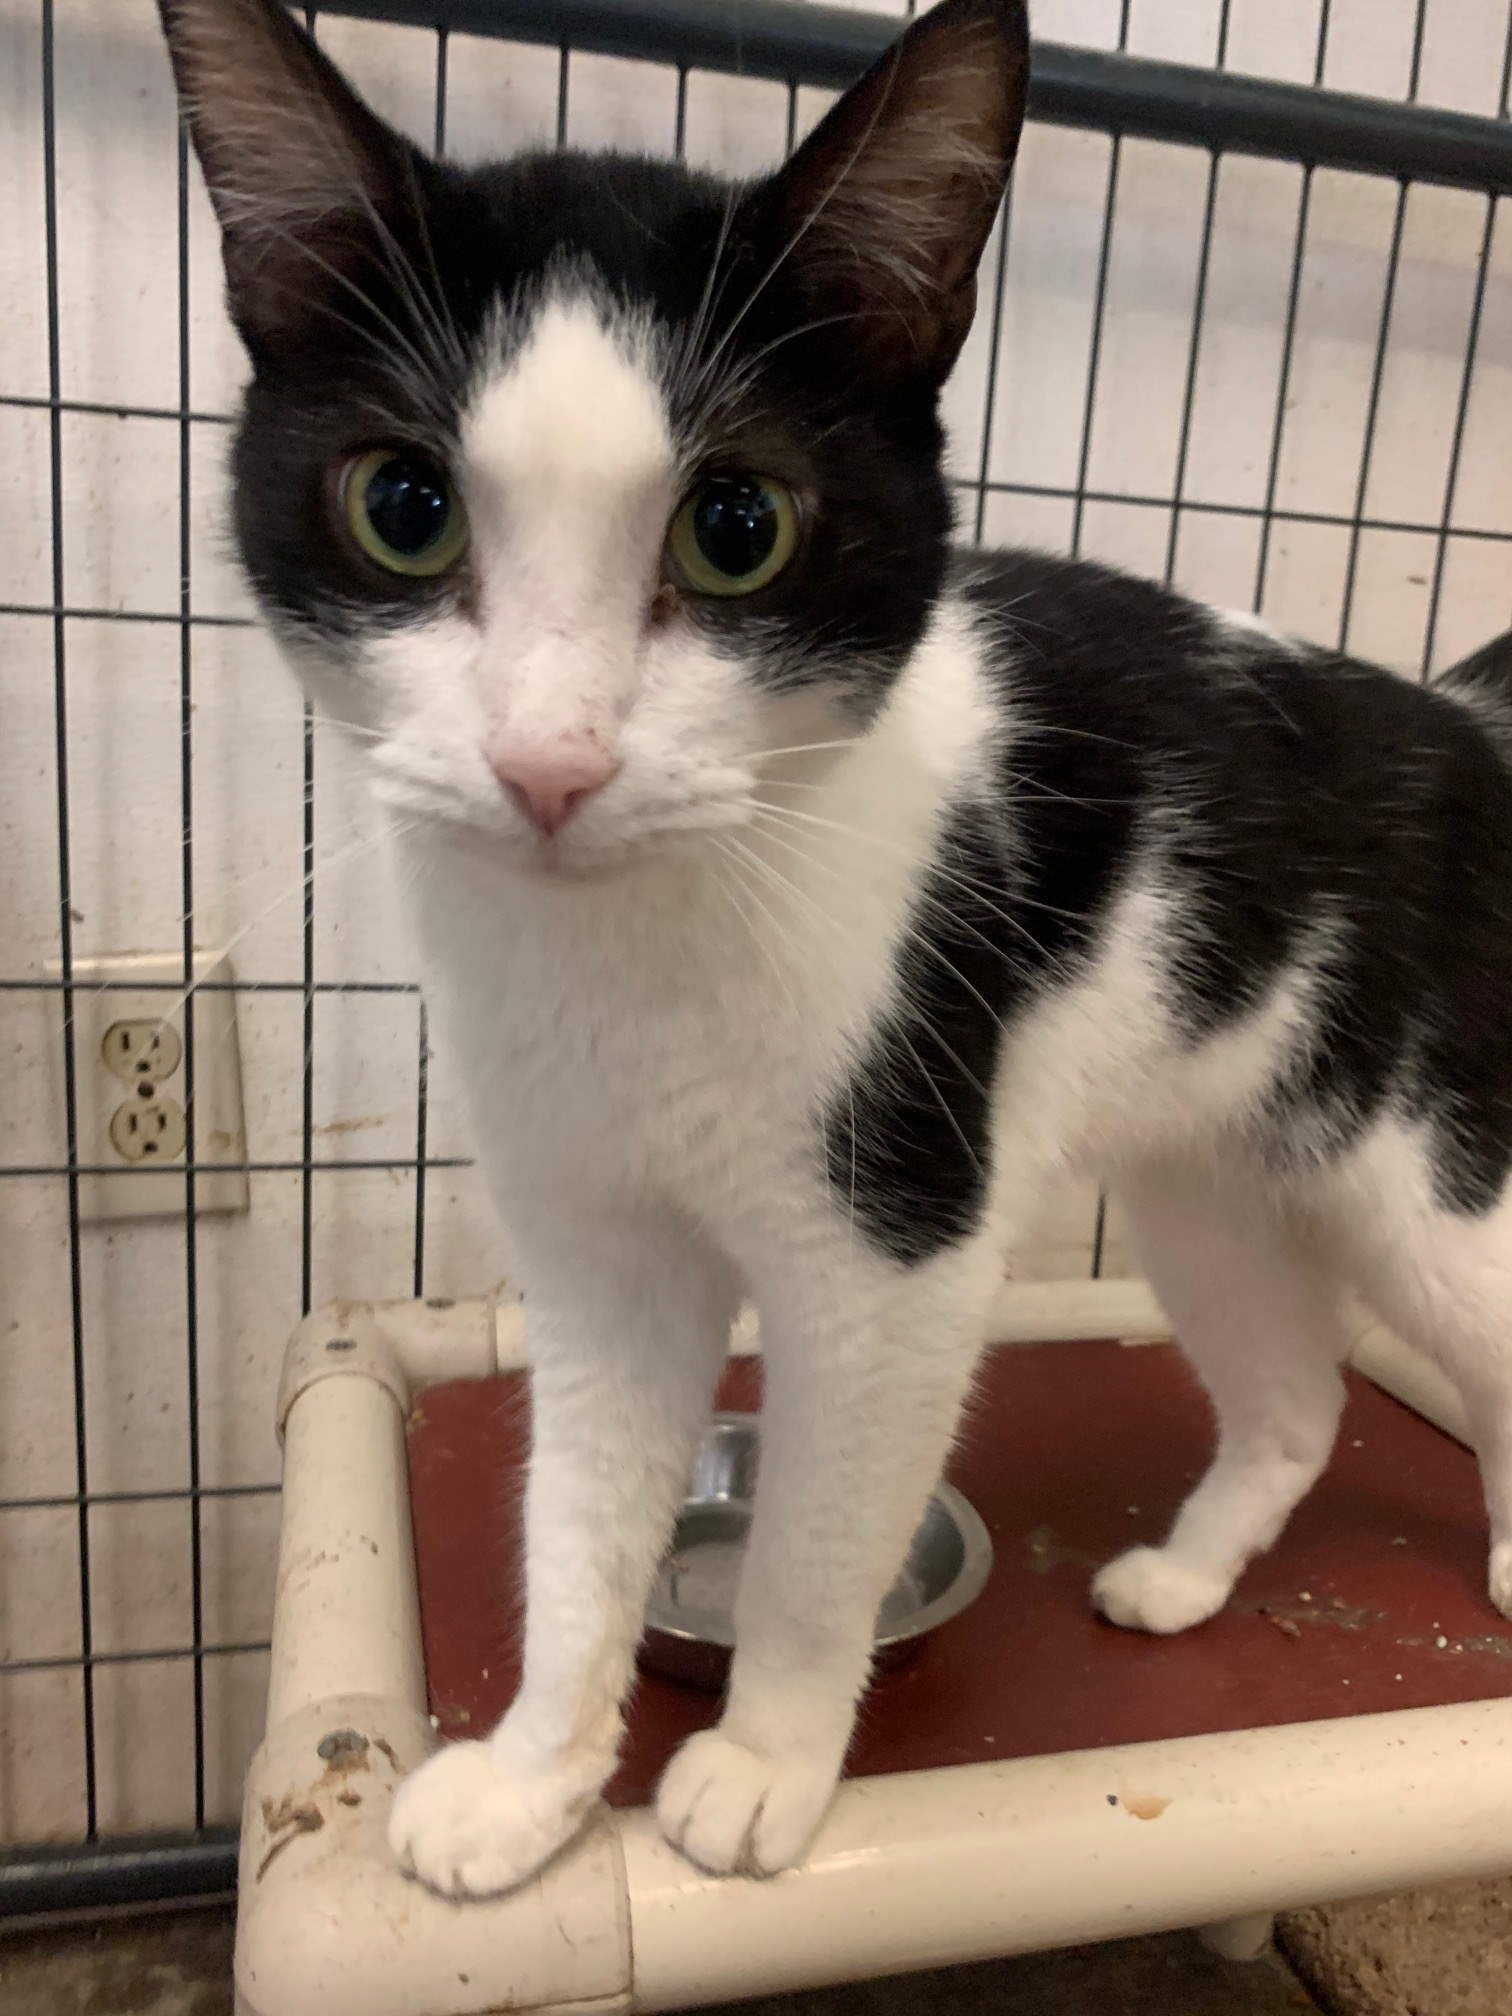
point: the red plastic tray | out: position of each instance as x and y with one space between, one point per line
1374 1598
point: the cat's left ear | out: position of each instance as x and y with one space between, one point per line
881 215
311 188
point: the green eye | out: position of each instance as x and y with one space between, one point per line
733 535
403 512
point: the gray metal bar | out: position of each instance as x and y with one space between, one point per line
104 1875
1070 87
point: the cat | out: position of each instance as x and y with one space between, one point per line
800 895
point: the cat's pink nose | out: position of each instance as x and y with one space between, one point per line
548 784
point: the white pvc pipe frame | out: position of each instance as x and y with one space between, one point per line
912 1870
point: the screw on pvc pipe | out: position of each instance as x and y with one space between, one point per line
343 1748
341 1342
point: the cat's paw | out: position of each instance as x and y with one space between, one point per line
1147 1590
732 1811
468 1826
1499 1580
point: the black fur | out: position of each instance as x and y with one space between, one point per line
909 1139
1290 798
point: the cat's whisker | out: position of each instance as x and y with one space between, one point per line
441 338
975 889
365 841
226 887
943 1103
828 924
738 851
1031 791
959 922
831 926
437 305
359 731
241 716
787 251
714 284
726 845
806 748
416 373
1026 791
983 891
730 389
909 930
1038 731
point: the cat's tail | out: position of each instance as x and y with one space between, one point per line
1488 670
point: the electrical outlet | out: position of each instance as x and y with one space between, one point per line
149 1129
141 1052
130 1076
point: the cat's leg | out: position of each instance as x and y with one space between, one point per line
1256 1312
1442 1279
866 1367
628 1321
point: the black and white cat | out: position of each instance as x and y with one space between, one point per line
799 895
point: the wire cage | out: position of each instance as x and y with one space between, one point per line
1245 324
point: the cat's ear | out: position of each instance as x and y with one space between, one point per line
883 212
310 187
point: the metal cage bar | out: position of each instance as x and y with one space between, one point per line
1131 95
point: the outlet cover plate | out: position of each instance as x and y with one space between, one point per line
148 987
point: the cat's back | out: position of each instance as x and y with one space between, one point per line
1301 820
1113 684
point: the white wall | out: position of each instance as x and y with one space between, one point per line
118 309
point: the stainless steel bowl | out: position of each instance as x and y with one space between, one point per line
690 1628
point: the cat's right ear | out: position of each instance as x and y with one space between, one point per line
881 215
308 184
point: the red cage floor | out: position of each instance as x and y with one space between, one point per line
1374 1599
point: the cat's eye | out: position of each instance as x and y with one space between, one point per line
403 512
733 535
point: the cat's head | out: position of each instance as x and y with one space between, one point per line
584 487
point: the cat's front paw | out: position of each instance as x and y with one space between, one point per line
732 1811
468 1826
1148 1590
1499 1577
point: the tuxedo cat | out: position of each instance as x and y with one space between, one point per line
800 895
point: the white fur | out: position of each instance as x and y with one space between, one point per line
1444 1281
1248 627
1256 1313
646 1051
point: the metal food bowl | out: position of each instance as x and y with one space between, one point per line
690 1622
